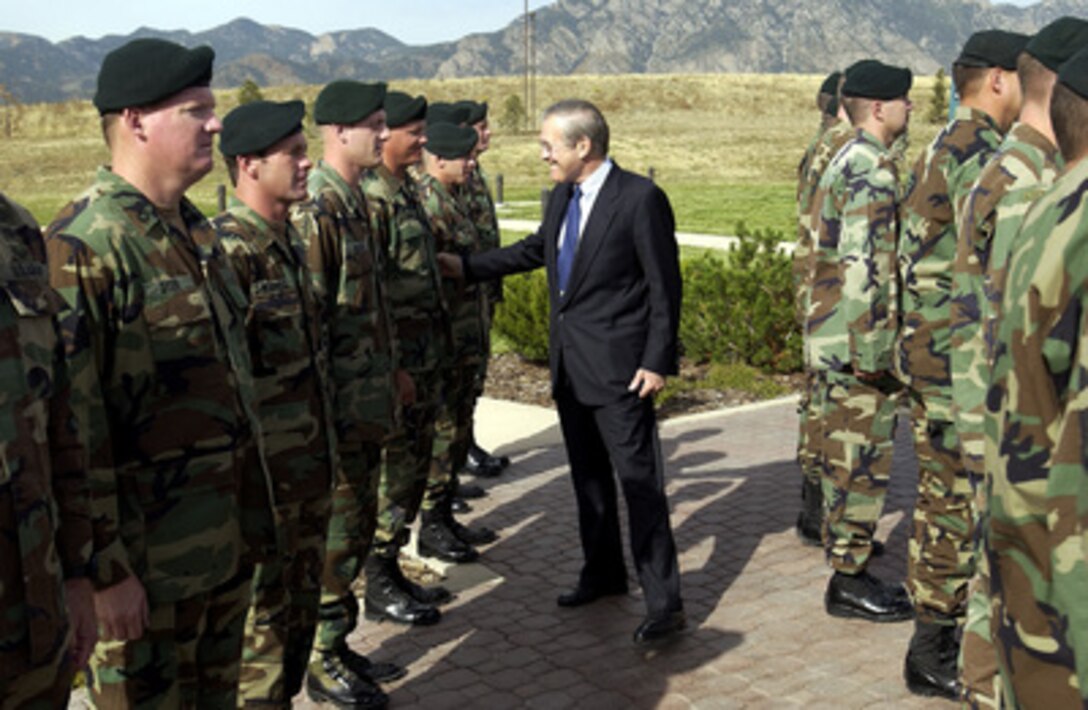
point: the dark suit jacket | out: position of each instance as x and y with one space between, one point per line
621 309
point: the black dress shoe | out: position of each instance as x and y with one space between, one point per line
460 505
863 596
930 668
330 680
660 626
580 595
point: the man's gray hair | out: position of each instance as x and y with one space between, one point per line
581 119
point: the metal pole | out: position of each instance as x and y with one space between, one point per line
532 69
499 189
545 193
652 174
526 87
221 197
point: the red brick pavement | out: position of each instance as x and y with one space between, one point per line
758 633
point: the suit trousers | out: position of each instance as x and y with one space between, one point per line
620 436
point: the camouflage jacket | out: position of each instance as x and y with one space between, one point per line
812 168
1021 170
476 197
936 193
415 294
1037 510
345 251
160 373
44 511
851 320
454 231
287 349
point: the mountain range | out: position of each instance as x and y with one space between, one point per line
570 37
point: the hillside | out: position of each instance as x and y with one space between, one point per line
571 37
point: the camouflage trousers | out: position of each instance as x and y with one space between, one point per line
939 564
350 531
1036 549
452 430
979 681
188 657
810 433
408 453
283 610
41 687
859 424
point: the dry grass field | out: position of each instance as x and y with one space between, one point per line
724 147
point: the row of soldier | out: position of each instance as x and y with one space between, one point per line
214 427
956 291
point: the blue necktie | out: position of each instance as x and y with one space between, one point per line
570 238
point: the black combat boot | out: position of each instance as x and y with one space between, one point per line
810 519
481 463
385 599
331 680
437 538
863 596
424 595
376 671
930 668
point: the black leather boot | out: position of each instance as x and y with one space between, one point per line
425 595
482 463
437 538
810 519
376 671
930 668
331 680
385 599
863 596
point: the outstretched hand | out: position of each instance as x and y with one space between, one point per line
450 266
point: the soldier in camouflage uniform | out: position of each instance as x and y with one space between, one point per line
346 257
448 161
1036 515
421 323
939 553
835 131
1022 169
476 196
850 333
162 392
265 152
47 625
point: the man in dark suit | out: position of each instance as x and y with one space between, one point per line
608 243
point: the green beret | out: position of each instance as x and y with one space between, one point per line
401 109
992 48
345 102
871 79
477 110
831 83
1074 73
145 71
447 140
251 128
439 112
1057 42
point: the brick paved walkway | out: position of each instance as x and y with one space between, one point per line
758 634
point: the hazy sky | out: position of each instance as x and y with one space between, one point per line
411 21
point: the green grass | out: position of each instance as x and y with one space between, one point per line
723 146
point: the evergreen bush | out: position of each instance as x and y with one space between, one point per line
522 316
737 307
